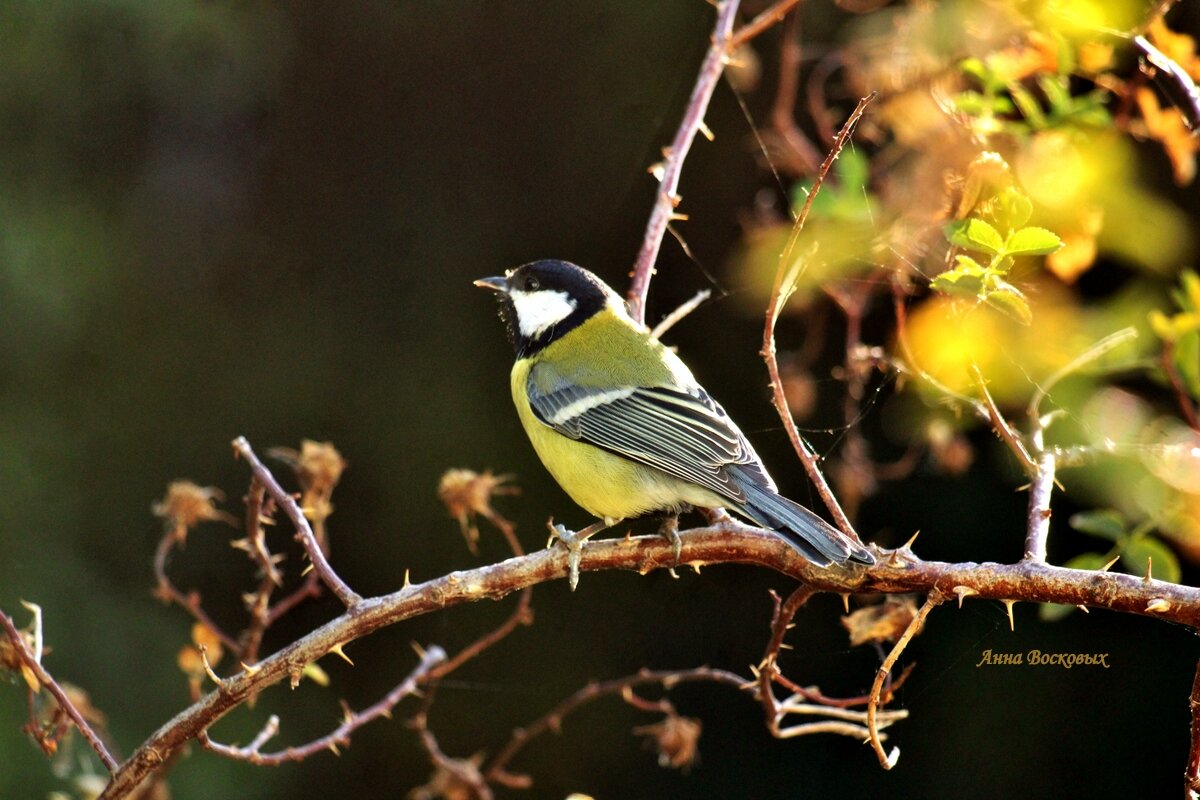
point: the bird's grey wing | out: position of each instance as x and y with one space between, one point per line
685 434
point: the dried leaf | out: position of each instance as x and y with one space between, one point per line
884 622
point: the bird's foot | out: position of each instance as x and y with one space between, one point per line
573 541
669 530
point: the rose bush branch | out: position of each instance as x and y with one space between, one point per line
340 736
728 542
785 277
497 769
32 665
888 760
304 531
667 197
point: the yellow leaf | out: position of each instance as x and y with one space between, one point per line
30 679
315 674
204 637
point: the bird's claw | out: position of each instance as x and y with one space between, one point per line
670 531
574 544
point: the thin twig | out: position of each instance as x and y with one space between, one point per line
858 479
1037 528
768 669
670 320
340 736
1099 349
1191 775
784 277
552 720
521 615
46 680
256 546
805 157
1003 428
815 695
190 602
667 197
888 760
465 772
304 531
761 23
1186 407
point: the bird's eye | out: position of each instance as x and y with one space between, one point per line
532 284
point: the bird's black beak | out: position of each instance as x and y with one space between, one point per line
497 284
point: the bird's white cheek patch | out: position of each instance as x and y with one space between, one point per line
537 311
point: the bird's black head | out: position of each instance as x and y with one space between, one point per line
544 300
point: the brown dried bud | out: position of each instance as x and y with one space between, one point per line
186 505
676 739
884 622
466 494
320 466
457 779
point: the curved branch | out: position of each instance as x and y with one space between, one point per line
728 542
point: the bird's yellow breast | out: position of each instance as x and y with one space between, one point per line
604 484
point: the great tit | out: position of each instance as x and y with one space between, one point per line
621 424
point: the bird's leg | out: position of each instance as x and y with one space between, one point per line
669 530
715 516
573 541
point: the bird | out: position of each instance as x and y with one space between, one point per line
622 425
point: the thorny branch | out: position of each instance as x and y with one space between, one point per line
667 197
888 760
340 736
304 531
33 664
785 276
761 23
806 701
496 770
190 602
1191 775
728 542
466 493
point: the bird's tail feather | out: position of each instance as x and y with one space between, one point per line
811 536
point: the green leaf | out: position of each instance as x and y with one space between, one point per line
1087 561
1003 296
975 234
853 171
1013 209
1189 299
1057 92
1187 361
1103 522
1053 612
967 279
1030 110
1032 242
1164 564
976 69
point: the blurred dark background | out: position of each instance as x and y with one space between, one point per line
263 218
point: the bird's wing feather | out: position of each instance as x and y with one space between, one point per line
684 433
